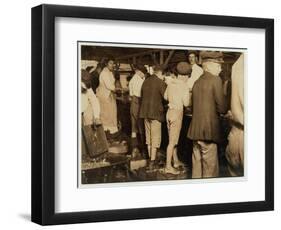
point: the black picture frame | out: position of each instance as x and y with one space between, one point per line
43 114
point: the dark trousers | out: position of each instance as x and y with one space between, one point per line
136 121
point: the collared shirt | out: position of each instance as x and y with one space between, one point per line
197 71
135 84
177 94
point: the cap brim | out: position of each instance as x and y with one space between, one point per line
220 60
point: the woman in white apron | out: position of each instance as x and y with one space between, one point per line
107 98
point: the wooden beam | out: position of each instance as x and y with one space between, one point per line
171 52
137 54
132 67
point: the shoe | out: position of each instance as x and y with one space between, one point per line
134 142
151 165
145 155
136 155
179 165
171 171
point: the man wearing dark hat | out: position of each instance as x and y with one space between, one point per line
207 104
152 111
135 86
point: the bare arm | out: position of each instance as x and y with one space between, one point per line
186 97
131 86
166 94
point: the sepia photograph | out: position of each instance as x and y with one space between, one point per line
156 113
140 114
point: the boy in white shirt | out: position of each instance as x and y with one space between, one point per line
137 123
177 94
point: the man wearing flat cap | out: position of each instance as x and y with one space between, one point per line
152 111
135 86
207 105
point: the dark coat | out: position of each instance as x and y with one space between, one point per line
95 81
152 96
207 103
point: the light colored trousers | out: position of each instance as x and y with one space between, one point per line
235 152
136 121
152 132
174 123
205 160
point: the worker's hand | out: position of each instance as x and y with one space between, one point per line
97 121
228 115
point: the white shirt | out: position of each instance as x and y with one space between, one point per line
90 106
197 71
135 84
177 94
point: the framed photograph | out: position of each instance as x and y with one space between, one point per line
144 114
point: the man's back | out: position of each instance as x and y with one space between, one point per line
207 104
177 94
153 90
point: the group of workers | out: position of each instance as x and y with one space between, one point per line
199 88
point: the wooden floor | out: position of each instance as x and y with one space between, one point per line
116 168
111 168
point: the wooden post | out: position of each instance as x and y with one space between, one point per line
153 56
161 57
